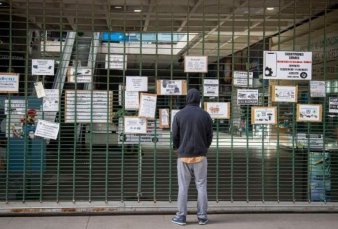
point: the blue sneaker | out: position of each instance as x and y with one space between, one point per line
180 220
202 221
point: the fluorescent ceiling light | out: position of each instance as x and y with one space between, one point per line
270 8
118 7
137 11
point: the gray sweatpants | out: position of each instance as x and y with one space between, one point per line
184 174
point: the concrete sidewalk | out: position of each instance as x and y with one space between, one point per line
231 221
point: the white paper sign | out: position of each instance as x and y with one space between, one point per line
247 96
284 94
333 104
317 88
117 62
242 79
287 65
131 100
136 83
46 129
309 113
51 100
147 105
80 75
135 125
263 115
42 67
40 91
88 106
148 138
210 87
9 82
171 87
218 110
196 64
164 118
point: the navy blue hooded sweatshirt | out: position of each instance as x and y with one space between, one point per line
192 128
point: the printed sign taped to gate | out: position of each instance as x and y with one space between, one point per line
287 65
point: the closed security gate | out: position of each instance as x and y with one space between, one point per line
89 89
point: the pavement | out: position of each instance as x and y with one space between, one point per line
231 221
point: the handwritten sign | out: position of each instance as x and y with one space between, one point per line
147 105
196 64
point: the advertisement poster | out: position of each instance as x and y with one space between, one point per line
217 110
317 89
171 87
9 82
40 91
333 105
242 79
51 100
319 166
286 94
42 67
164 118
147 105
79 75
131 100
136 83
309 113
263 115
196 64
45 129
287 65
210 87
247 96
135 125
116 62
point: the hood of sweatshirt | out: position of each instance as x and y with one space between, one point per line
193 97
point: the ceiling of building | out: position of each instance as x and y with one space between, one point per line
222 26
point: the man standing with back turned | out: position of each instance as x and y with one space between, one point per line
192 136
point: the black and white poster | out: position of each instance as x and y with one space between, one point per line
51 100
284 93
131 100
79 75
135 125
116 62
333 105
210 87
287 65
242 79
86 106
171 87
136 83
147 105
247 96
42 67
46 129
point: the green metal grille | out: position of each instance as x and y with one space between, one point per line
97 161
